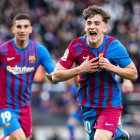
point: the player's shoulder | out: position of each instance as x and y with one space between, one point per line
4 44
39 45
112 41
78 41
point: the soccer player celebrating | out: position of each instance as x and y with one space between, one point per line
97 56
19 60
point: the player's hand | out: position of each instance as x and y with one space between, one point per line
49 76
89 65
105 64
127 86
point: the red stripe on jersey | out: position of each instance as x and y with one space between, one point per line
92 90
3 85
101 88
27 78
3 88
35 60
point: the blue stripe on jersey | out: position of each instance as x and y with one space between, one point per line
23 84
9 89
16 89
97 81
80 95
82 37
24 77
88 93
78 48
117 93
106 96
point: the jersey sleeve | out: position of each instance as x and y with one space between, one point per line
67 59
45 58
119 54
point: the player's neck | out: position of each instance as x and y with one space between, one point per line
21 44
96 44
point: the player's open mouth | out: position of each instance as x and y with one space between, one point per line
93 34
22 35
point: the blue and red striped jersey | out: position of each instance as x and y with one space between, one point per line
97 89
17 70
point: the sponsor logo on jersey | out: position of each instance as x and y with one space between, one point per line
64 58
7 125
19 70
32 59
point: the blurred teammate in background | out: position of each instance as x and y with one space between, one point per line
97 57
19 60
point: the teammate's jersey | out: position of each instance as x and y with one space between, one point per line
97 89
17 70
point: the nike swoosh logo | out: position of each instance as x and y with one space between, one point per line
108 124
84 57
10 58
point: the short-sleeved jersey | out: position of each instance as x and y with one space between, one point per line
17 70
97 89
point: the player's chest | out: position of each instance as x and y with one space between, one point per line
20 58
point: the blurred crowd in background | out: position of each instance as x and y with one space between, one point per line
55 24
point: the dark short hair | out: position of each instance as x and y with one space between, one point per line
94 10
21 16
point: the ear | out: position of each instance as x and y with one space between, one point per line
105 28
13 30
31 29
85 27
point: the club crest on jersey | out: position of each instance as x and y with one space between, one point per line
32 59
7 125
101 55
64 58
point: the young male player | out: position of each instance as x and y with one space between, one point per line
97 56
19 60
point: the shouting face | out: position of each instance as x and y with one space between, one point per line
95 28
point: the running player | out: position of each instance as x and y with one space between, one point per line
97 56
19 60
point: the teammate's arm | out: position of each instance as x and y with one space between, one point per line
46 61
62 74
